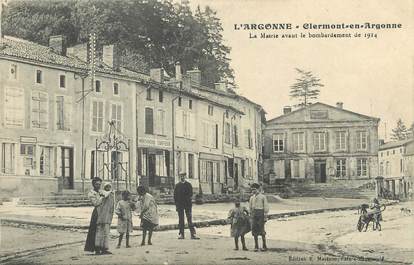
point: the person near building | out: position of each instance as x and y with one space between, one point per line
239 224
148 213
183 193
124 211
259 209
98 234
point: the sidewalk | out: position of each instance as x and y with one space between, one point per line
79 217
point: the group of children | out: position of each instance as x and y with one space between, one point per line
242 222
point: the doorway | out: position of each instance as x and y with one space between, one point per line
320 171
67 167
151 169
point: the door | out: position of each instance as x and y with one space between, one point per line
288 172
67 167
320 171
151 169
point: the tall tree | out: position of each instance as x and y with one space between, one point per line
306 88
150 33
400 132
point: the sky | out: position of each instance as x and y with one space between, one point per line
372 76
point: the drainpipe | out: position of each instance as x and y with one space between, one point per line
173 138
137 134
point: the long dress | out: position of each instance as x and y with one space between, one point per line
148 212
240 224
96 199
124 212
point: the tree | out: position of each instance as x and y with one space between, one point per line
410 131
306 88
150 33
400 132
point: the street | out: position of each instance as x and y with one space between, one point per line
325 238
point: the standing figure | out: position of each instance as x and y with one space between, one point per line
148 214
124 211
376 210
258 210
240 224
183 194
98 234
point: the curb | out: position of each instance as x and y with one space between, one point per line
175 226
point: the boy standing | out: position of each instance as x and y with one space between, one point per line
259 209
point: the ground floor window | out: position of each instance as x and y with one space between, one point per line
27 151
7 158
45 163
97 164
362 167
210 171
341 168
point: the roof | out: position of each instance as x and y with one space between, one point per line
325 105
11 47
395 144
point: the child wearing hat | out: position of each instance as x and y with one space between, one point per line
240 224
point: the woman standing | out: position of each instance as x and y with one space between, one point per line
98 233
148 214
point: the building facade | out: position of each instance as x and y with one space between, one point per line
396 167
320 144
58 125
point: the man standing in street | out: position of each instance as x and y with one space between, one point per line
183 194
258 210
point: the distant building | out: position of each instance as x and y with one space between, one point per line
396 166
320 144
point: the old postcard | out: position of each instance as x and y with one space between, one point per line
206 132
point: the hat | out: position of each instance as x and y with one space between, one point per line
255 186
107 184
182 174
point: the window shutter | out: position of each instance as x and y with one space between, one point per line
192 126
179 122
302 172
67 114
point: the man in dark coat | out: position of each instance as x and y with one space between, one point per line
183 194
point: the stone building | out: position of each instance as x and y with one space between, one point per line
396 166
320 144
52 108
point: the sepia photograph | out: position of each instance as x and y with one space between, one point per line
206 132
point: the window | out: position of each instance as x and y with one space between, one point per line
97 116
362 167
13 72
62 81
393 152
243 168
14 107
149 121
161 166
190 166
401 166
190 104
298 142
227 114
39 110
387 168
179 101
160 122
160 96
45 165
98 86
97 163
278 142
341 168
210 134
388 153
27 151
319 141
295 168
116 116
235 136
340 140
381 169
185 124
210 110
227 133
38 76
249 140
63 113
116 89
362 140
7 158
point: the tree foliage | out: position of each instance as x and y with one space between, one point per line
400 132
154 33
306 88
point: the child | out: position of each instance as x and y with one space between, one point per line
258 210
148 214
123 210
376 207
240 224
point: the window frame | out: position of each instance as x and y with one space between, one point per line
117 86
296 142
317 150
97 112
360 141
280 143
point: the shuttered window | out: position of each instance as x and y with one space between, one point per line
39 110
14 107
149 121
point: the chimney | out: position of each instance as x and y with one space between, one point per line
381 142
157 75
79 51
340 105
221 86
111 56
287 109
58 44
178 75
195 76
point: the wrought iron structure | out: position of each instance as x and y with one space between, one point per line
114 146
